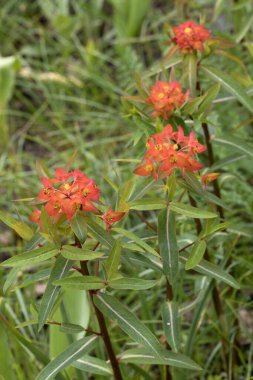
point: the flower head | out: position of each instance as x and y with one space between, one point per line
166 97
111 217
190 37
66 193
169 150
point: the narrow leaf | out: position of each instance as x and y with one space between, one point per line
136 239
80 254
21 228
93 365
144 356
230 84
79 227
196 254
212 270
31 257
66 358
147 204
113 260
99 233
81 282
128 322
132 283
236 143
59 270
168 244
192 73
171 324
192 212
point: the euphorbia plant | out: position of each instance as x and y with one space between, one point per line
76 229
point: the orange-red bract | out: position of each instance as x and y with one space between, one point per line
190 37
66 193
169 150
165 97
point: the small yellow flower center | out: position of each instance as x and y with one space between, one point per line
161 95
149 168
175 147
188 30
66 186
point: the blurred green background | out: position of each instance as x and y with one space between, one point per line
64 66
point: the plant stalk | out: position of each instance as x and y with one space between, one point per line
103 329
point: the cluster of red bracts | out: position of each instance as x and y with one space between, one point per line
169 150
68 192
190 37
166 97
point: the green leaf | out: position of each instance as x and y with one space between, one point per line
66 358
168 244
136 239
99 233
128 322
113 260
208 98
192 212
10 279
93 365
21 228
74 253
196 254
147 204
236 143
59 270
132 283
144 356
171 324
78 225
230 84
71 328
81 282
192 73
34 278
31 257
211 270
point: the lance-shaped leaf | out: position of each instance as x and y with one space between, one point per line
132 283
82 282
211 270
196 255
67 357
59 270
192 73
128 322
144 356
93 365
168 244
230 84
79 226
10 279
136 239
171 324
31 257
113 260
208 98
190 211
21 228
236 143
34 278
80 254
99 233
147 204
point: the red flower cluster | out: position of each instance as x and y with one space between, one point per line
111 217
190 37
65 194
168 150
166 97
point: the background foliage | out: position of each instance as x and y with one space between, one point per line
70 63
